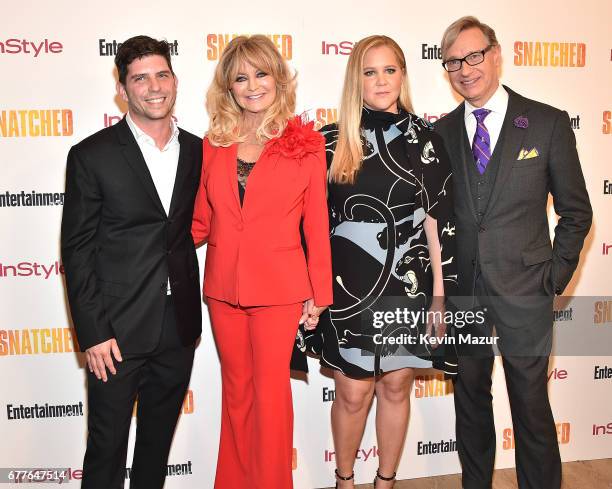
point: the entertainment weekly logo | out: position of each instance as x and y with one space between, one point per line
16 412
16 123
30 48
602 372
563 436
215 44
109 47
563 315
31 269
436 447
431 52
552 54
21 198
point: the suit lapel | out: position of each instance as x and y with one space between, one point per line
512 139
182 171
459 140
134 157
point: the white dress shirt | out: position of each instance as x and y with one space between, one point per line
162 164
497 104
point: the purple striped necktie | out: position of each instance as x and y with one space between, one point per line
481 146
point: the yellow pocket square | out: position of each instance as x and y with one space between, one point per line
525 154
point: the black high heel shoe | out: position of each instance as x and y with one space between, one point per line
382 478
342 478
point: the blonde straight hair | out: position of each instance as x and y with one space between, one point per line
225 113
348 155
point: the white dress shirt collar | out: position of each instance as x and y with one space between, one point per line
498 103
142 136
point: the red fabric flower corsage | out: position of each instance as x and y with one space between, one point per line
298 139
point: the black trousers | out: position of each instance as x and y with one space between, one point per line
538 463
159 381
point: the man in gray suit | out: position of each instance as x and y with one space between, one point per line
508 153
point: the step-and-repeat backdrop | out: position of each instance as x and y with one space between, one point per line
58 86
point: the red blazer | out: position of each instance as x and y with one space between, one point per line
254 254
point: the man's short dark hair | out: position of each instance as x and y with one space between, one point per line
138 47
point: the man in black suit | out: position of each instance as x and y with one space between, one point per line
508 153
132 271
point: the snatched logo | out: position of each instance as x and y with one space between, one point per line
555 54
563 436
215 44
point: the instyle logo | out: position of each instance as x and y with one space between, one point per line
563 436
31 269
603 312
554 54
43 411
35 123
432 386
606 128
431 118
171 469
34 48
324 116
37 341
605 249
110 47
431 51
431 447
31 199
111 120
602 429
602 372
557 374
563 315
329 395
215 44
363 454
607 187
343 48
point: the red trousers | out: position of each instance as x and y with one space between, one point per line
255 345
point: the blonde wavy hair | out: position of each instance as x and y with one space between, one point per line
225 113
348 155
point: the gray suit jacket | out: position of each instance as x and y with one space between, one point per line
510 243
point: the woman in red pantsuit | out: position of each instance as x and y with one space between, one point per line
257 282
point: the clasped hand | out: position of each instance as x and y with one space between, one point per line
310 315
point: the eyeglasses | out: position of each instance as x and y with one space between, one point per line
471 59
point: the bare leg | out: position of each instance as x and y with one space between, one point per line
348 417
392 413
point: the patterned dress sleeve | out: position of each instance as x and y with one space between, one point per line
438 202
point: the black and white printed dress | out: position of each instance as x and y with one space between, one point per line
380 257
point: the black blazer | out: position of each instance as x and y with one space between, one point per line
119 247
511 242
